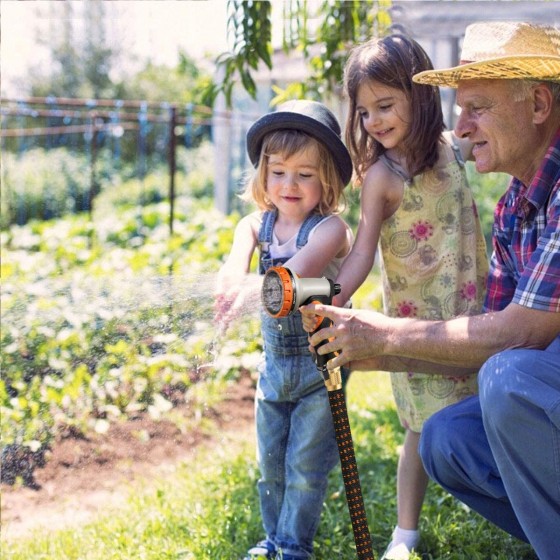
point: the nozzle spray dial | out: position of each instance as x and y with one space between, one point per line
283 292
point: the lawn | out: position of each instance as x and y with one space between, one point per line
209 511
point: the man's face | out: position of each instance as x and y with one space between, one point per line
501 128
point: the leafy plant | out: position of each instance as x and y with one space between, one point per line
321 31
104 322
208 508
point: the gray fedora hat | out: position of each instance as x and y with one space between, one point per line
310 117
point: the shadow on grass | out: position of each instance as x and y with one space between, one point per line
450 530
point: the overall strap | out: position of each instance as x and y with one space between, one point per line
266 229
265 239
310 222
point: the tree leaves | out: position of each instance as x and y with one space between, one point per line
323 34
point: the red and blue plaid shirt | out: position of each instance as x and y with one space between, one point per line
525 265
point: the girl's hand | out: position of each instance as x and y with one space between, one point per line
311 322
236 296
223 303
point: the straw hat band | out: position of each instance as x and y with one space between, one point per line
503 50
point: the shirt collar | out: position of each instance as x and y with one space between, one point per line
548 174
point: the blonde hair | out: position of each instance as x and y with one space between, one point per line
287 143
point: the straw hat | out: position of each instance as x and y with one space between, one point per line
310 117
502 50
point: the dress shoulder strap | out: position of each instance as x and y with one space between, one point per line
391 166
452 141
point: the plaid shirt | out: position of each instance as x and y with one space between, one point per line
525 265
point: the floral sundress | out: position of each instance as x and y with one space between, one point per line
435 266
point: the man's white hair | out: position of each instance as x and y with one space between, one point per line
522 89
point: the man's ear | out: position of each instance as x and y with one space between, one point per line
542 103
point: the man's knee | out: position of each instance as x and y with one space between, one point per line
499 382
438 441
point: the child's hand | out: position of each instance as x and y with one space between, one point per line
226 294
236 296
311 322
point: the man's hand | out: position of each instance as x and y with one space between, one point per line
356 335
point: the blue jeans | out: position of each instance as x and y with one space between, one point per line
296 445
499 452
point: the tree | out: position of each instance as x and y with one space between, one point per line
323 36
81 60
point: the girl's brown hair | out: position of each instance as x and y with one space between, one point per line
288 142
392 61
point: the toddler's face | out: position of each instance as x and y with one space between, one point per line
293 183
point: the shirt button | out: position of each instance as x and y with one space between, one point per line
279 327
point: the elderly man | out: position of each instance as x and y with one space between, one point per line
498 452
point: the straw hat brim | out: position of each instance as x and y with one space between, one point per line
524 67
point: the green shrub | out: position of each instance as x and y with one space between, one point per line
102 320
45 184
487 189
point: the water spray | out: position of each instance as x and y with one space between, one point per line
283 293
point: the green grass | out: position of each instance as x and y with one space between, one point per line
209 511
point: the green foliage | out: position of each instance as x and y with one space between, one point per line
250 28
487 189
180 84
45 184
100 322
323 36
209 508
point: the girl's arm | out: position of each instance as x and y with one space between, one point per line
380 197
244 244
234 283
331 239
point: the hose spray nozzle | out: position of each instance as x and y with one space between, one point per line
283 293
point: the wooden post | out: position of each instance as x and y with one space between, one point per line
93 158
172 165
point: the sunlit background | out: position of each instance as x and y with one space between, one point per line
145 30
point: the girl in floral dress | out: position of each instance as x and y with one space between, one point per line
416 206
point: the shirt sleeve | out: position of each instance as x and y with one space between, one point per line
502 274
539 283
525 270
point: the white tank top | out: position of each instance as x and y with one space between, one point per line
289 249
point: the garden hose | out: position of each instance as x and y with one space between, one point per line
282 294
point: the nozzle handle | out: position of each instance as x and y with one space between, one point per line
322 359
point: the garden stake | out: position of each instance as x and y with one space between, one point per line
282 294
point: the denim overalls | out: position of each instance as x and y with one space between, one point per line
296 445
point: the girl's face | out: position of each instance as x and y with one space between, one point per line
384 112
293 184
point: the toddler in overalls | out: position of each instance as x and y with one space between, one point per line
301 169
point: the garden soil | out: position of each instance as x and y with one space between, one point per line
84 475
